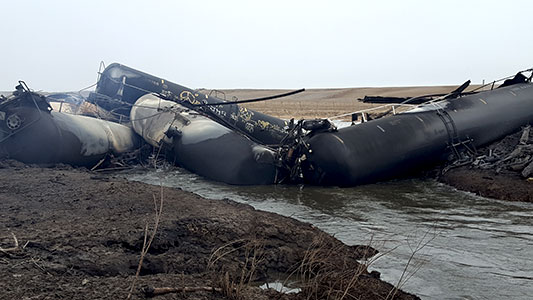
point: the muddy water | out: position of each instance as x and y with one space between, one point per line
436 242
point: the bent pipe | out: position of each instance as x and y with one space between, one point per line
389 147
127 84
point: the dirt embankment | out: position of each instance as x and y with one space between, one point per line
72 234
490 184
502 170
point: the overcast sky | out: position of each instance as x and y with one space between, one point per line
58 45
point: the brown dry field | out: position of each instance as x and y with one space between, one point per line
324 103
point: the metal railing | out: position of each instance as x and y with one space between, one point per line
363 112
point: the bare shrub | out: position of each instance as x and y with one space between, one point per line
234 284
327 271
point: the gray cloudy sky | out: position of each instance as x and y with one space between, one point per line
57 45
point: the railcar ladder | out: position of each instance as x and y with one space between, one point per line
453 137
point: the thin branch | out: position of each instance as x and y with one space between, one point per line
148 242
12 249
154 291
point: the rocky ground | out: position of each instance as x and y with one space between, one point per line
73 234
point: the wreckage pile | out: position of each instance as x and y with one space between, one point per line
226 142
513 154
31 131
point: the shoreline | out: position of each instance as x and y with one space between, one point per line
79 234
501 170
484 183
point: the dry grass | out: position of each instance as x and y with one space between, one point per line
148 239
234 287
323 103
415 261
325 273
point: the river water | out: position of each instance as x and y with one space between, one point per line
435 241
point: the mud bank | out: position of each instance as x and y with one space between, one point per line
72 234
502 170
490 184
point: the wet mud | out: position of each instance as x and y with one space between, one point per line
73 234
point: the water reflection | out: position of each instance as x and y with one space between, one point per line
470 247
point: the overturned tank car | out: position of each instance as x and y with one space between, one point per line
119 87
406 142
202 145
32 132
226 142
208 136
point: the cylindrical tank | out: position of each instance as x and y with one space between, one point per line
390 146
202 145
375 150
31 134
127 85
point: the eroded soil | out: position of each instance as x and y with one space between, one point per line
80 236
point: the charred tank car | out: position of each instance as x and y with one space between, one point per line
32 132
313 151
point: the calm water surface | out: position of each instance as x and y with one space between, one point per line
437 242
